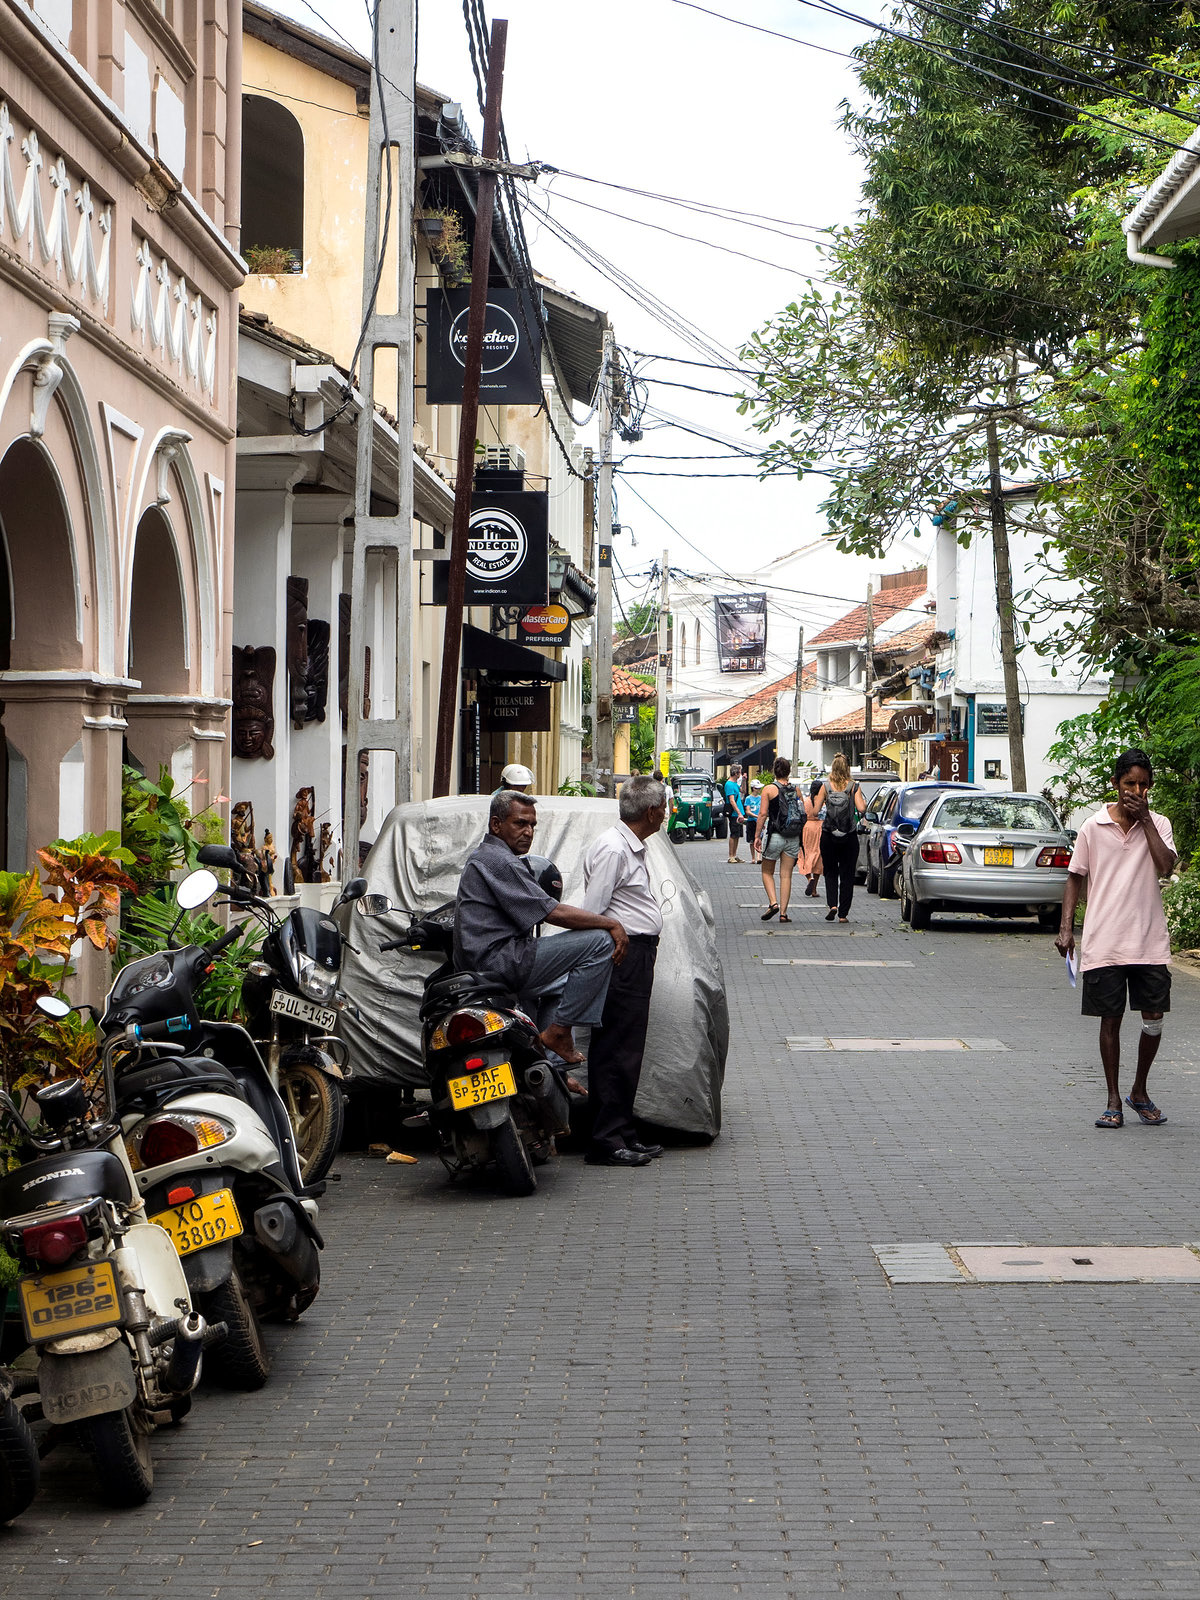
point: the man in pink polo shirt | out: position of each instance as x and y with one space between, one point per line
1122 852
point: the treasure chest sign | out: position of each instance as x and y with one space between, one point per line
512 348
508 551
514 708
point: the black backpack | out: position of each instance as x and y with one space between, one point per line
839 813
790 818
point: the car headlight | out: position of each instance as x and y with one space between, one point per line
318 983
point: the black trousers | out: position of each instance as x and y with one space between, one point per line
840 858
615 1053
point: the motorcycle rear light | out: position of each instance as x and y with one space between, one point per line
941 854
54 1242
464 1027
175 1138
1054 857
473 1063
180 1196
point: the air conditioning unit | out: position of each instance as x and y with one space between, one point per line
502 458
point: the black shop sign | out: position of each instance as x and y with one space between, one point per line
514 708
511 373
508 551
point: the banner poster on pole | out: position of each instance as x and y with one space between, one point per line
508 550
741 632
512 348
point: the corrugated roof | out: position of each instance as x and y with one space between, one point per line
852 628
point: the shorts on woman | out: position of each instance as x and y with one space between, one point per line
779 845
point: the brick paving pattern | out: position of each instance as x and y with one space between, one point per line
694 1380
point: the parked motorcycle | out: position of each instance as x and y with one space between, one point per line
212 1152
291 1000
496 1098
103 1296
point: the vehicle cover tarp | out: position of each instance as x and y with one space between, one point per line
416 861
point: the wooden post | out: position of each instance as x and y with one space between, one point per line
464 481
869 677
797 719
603 754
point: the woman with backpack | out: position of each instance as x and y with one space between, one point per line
780 830
844 804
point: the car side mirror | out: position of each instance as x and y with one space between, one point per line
905 833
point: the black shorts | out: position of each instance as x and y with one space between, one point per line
1104 990
735 825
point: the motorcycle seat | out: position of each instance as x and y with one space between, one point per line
447 993
150 1087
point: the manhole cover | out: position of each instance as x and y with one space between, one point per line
817 961
1081 1264
807 1042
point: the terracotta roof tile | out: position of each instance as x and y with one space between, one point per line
759 708
627 687
853 626
856 721
911 639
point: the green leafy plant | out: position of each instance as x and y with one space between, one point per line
159 830
573 787
448 245
1181 902
146 927
271 261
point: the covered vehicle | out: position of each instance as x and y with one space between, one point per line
416 861
1005 855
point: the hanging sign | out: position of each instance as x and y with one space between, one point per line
626 711
741 632
948 758
508 550
909 724
512 348
514 708
545 624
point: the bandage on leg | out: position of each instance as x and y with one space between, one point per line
1152 1029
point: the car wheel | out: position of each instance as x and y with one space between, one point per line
887 883
721 829
919 915
1049 917
872 878
905 901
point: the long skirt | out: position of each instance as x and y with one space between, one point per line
810 850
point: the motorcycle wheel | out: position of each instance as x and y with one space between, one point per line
121 1450
241 1360
317 1112
512 1160
20 1468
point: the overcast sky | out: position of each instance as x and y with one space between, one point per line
656 95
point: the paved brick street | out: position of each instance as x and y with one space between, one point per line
695 1380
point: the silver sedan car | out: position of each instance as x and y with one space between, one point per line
1005 855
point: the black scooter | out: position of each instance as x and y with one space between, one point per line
496 1098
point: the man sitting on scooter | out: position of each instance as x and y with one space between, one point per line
500 904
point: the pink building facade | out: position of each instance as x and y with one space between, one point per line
119 172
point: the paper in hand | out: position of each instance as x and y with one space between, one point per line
1072 967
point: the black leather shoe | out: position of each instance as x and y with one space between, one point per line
616 1158
651 1150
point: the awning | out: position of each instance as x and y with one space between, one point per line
758 755
484 652
726 758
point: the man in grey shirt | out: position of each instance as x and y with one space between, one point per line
500 903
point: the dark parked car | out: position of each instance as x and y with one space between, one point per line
900 803
1005 855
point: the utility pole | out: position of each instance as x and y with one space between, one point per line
1004 612
797 717
602 652
464 481
391 142
869 676
660 675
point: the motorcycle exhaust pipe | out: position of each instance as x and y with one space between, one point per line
545 1088
183 1366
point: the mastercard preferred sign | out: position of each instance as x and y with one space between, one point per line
545 622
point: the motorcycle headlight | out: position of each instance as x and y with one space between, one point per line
316 982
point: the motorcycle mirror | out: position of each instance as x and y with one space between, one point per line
54 1006
374 905
218 855
196 888
355 889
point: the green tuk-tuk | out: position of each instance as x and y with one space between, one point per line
691 808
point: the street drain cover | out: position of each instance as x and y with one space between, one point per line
816 1041
1024 1263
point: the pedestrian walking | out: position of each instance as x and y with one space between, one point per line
777 837
735 811
810 861
617 884
1121 853
843 803
753 806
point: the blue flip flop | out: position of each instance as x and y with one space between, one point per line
1143 1109
1114 1117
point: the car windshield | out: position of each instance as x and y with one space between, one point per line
916 802
997 811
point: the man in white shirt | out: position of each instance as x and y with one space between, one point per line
617 884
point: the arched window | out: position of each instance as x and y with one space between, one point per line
683 644
697 641
272 177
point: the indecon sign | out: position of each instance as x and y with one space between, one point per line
512 348
508 550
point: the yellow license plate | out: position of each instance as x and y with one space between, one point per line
208 1219
998 855
75 1301
490 1083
